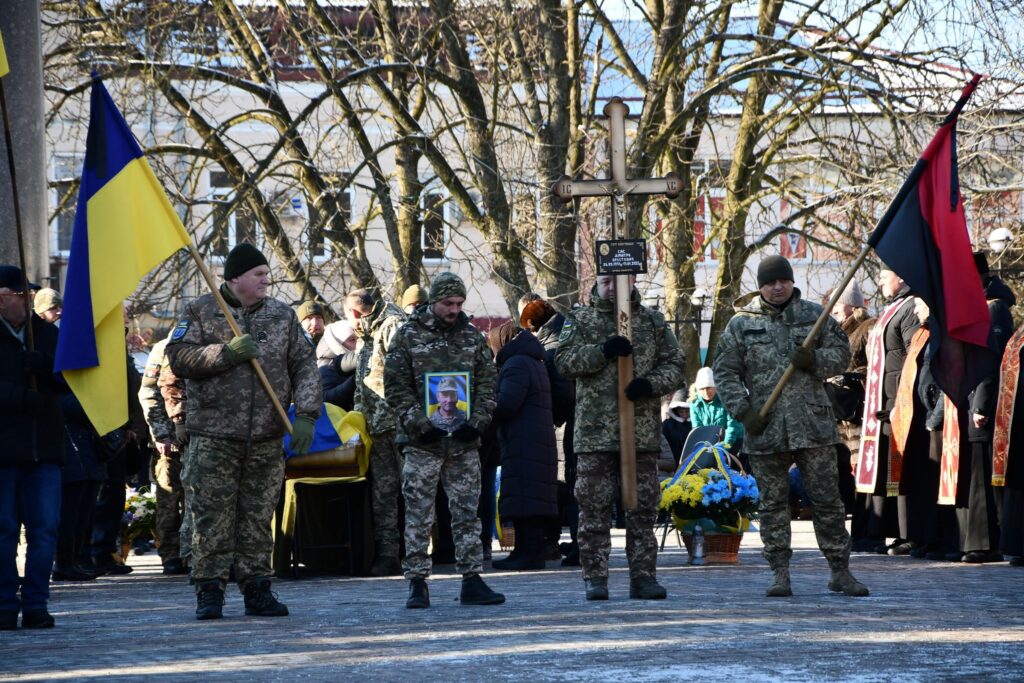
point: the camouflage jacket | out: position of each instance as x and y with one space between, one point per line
656 357
377 330
751 356
424 344
226 400
172 388
161 427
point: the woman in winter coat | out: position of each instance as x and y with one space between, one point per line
529 458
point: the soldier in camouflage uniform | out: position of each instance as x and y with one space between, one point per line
757 346
235 465
167 468
376 322
172 389
438 337
588 351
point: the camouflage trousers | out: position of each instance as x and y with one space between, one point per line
170 498
821 481
597 485
386 464
185 535
232 488
460 475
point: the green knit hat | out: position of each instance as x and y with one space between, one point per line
243 258
446 285
773 268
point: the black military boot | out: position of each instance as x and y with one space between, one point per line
646 588
419 595
476 592
597 588
260 601
209 599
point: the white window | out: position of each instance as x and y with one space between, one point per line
232 225
65 170
319 246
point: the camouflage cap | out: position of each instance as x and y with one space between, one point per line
445 285
447 384
47 299
309 308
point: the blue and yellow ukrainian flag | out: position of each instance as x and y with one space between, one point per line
4 68
124 227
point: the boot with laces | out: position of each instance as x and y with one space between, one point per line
260 601
209 599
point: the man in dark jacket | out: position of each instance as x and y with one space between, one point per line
977 511
32 432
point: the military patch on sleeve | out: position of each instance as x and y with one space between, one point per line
179 331
566 330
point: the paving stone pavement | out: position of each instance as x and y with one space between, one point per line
923 621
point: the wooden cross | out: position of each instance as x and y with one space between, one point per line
618 187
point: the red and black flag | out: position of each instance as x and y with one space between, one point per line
923 238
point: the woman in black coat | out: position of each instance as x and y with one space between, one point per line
529 458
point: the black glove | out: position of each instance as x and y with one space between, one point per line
36 363
432 435
466 433
802 358
882 416
616 346
753 423
180 435
639 388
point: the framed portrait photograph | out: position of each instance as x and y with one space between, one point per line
447 399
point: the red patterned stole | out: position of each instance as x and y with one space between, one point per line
1009 382
903 412
867 462
949 468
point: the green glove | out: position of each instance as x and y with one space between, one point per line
753 422
802 358
302 434
241 349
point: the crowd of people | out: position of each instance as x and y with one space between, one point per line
447 405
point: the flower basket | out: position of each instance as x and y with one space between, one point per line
719 499
719 548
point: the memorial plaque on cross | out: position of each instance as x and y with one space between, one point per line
617 188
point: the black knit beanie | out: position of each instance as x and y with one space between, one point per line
243 258
773 268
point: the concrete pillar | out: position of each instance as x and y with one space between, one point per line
21 27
